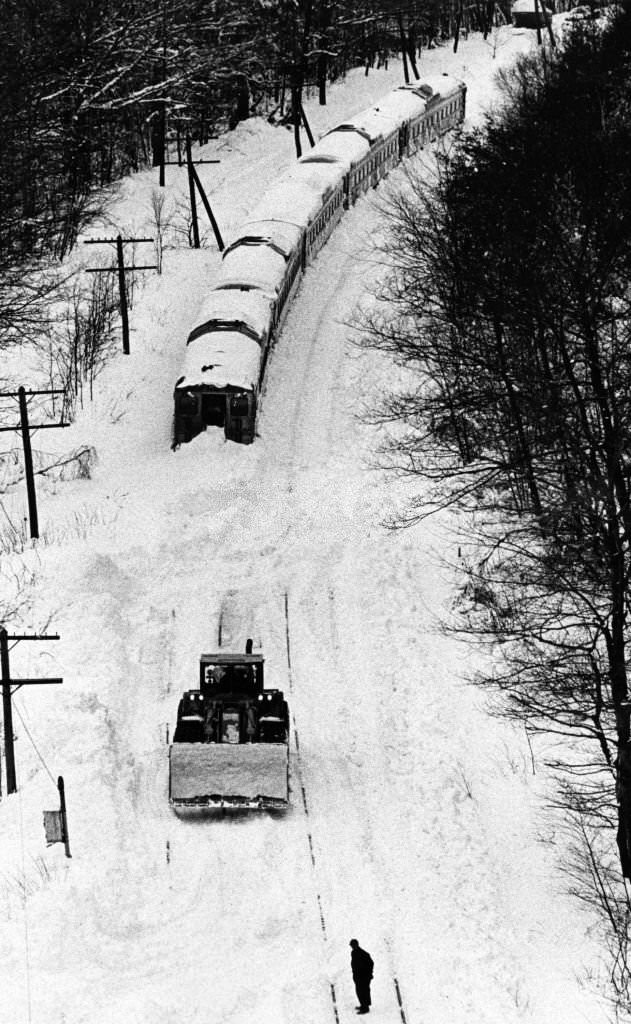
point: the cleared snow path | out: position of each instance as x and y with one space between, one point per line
420 830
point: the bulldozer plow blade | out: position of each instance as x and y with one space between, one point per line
250 775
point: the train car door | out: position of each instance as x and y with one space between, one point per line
240 413
213 408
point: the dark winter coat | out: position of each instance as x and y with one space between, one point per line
361 964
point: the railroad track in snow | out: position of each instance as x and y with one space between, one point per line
298 774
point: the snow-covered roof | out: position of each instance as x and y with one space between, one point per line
401 103
440 86
298 196
321 175
256 265
251 308
527 7
289 201
376 122
283 236
219 359
348 147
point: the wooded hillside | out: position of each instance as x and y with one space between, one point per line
509 303
90 87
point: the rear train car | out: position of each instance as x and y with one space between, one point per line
225 354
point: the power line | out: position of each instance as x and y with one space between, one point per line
26 729
25 908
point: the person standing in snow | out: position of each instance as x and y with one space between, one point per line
250 722
362 968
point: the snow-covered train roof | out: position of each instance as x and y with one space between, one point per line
374 123
250 309
279 235
346 141
402 104
298 196
525 7
290 202
254 264
221 359
436 87
347 147
320 174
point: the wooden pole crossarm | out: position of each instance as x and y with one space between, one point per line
48 426
36 426
181 163
110 270
17 683
33 636
16 394
113 241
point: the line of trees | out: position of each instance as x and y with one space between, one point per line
85 84
509 310
89 90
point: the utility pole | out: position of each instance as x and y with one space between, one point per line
7 693
119 242
547 21
303 118
195 183
25 429
191 192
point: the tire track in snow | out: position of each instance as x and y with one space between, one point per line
359 798
305 804
299 772
360 801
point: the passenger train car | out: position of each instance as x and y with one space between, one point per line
228 347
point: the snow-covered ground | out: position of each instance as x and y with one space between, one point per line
416 822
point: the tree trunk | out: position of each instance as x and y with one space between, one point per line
523 447
404 49
322 56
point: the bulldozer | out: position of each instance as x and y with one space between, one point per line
231 743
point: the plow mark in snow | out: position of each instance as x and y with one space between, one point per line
300 778
298 774
366 838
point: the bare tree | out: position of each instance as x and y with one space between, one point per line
507 304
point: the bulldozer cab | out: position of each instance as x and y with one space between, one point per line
238 675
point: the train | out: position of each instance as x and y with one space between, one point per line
228 346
